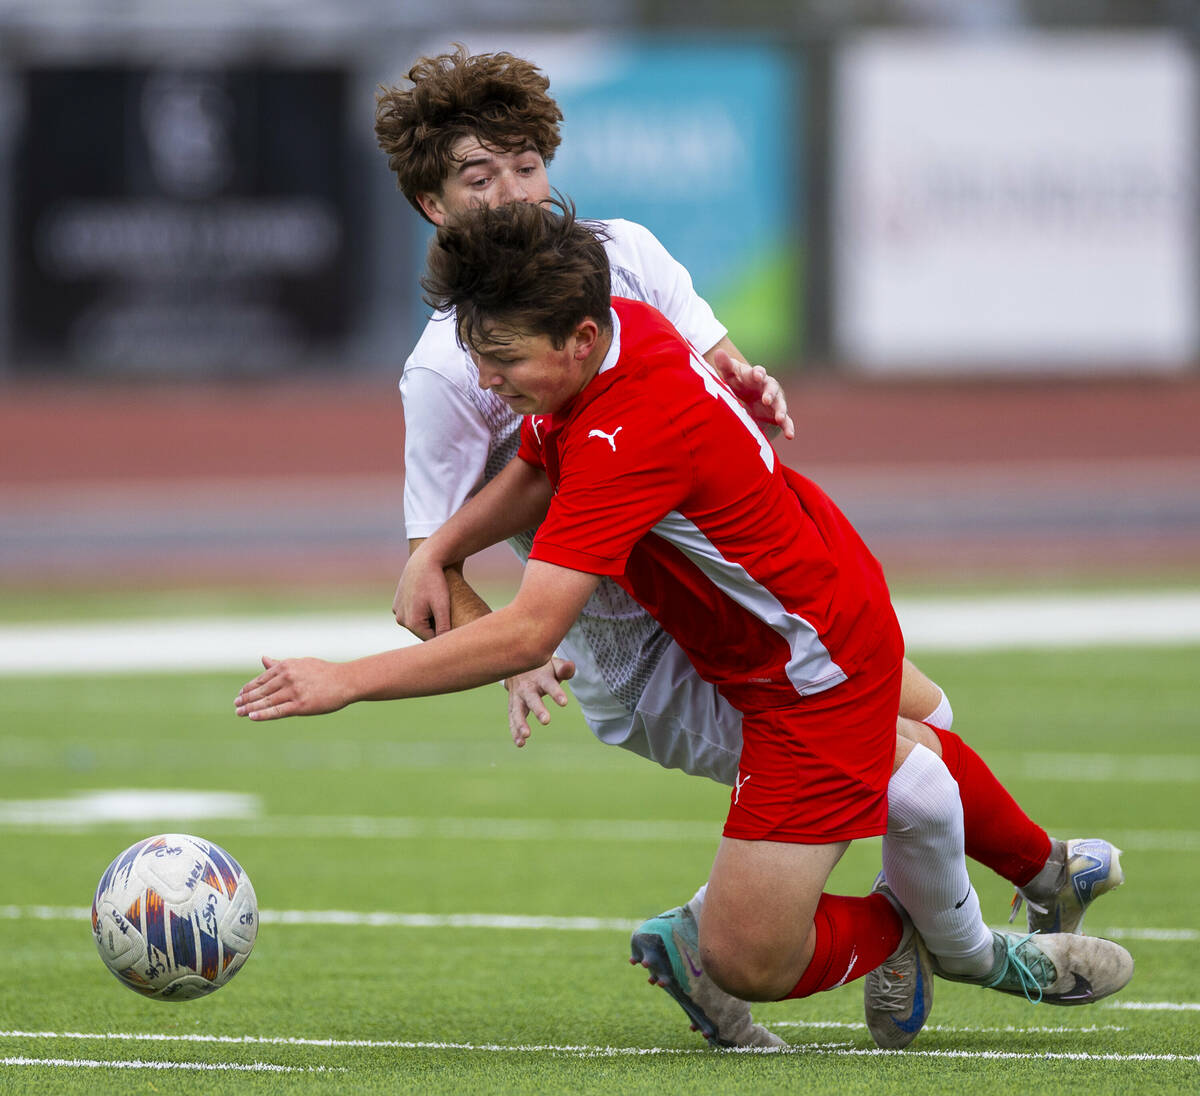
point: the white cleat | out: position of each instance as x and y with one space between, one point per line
898 994
1060 969
1076 874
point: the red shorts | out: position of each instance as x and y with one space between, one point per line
817 771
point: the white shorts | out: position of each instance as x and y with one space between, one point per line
681 722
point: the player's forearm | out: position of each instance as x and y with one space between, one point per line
465 604
509 641
486 650
516 500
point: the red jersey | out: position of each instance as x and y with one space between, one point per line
663 482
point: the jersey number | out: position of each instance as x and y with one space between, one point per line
716 387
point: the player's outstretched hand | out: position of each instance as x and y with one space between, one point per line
758 390
292 686
422 602
525 693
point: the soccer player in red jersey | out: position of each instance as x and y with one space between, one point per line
480 129
636 463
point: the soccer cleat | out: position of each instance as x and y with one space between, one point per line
898 994
1076 874
1060 969
669 947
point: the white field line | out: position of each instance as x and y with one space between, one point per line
92 808
195 1067
1160 936
236 643
835 1050
954 1029
240 814
347 918
501 921
1156 1006
995 1055
199 643
385 1044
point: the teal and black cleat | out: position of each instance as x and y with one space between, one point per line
1056 900
898 994
668 946
1061 969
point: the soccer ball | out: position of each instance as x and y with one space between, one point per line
174 917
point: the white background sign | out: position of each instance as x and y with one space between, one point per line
1025 203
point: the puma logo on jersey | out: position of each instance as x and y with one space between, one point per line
536 422
610 438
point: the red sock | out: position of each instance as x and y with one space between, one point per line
999 834
854 935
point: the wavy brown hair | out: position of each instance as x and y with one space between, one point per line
528 268
497 98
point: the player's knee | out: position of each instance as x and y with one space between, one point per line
925 808
749 972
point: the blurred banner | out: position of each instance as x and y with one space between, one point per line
1023 203
180 220
697 140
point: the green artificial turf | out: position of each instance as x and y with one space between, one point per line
427 808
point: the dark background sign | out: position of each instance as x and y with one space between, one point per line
179 220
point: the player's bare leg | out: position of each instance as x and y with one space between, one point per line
756 938
770 934
920 698
769 931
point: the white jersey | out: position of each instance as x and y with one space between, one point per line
458 436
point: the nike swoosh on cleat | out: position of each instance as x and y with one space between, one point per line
697 971
916 1021
1080 993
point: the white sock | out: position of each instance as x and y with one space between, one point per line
924 864
697 902
942 717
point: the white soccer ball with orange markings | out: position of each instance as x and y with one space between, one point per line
174 917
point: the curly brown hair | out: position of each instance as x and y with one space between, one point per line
497 98
527 267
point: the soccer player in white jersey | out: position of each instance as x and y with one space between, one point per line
481 130
638 464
